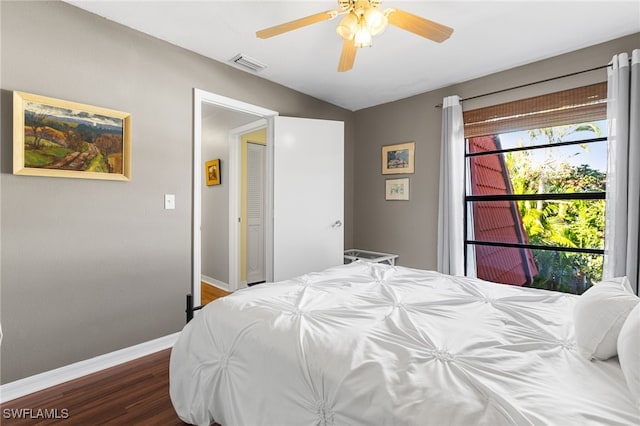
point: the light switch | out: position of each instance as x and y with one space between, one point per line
169 201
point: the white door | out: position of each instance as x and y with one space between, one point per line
308 200
256 161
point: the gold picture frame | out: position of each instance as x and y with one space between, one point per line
397 189
212 172
58 138
398 158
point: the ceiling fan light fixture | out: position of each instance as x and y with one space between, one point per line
376 20
362 38
345 4
348 26
363 19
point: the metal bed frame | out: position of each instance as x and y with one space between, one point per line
190 308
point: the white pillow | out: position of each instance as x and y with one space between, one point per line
629 352
599 315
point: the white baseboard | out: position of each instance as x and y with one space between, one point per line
216 283
28 385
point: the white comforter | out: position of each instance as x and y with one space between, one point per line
371 344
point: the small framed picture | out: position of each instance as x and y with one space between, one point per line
212 172
397 189
398 158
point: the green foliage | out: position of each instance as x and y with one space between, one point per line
587 127
47 154
36 159
566 223
98 164
56 151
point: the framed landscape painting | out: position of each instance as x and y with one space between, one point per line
52 137
398 158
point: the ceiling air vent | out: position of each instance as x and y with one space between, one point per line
246 62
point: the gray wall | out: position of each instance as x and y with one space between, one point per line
89 267
409 228
215 202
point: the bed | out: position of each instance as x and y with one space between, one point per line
373 344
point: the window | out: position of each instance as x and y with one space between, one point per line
535 199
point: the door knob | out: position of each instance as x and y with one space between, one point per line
337 224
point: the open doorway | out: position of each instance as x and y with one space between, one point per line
304 172
250 204
217 120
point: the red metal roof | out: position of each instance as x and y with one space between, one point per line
498 221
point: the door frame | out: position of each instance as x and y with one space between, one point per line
199 98
235 200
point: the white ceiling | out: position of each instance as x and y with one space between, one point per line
488 37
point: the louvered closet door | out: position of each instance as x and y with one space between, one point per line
256 157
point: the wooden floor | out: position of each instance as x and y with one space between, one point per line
134 393
209 293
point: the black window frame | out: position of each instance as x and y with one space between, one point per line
592 195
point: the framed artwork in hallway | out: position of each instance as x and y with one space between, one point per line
212 172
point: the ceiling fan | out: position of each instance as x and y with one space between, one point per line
362 20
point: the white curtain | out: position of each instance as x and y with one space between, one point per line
451 200
623 174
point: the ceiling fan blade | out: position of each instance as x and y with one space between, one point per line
298 23
348 56
418 25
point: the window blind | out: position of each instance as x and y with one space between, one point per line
579 105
